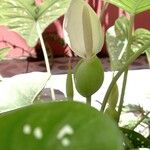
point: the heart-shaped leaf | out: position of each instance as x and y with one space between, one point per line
22 16
136 139
58 126
132 6
21 90
117 40
140 38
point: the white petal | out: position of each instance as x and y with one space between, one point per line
73 29
82 29
97 32
87 31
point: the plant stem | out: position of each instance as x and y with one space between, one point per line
88 100
43 48
128 49
69 83
116 77
122 94
141 120
45 57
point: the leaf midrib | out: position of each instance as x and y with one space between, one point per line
44 10
30 12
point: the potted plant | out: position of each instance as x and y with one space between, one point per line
68 124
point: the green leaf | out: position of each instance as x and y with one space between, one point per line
50 10
112 113
136 139
132 6
140 38
58 126
21 90
19 15
22 16
117 40
113 96
4 52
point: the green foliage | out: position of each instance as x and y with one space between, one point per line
117 40
112 102
136 140
23 15
112 113
69 125
4 52
113 97
132 6
89 76
134 109
140 38
58 126
21 90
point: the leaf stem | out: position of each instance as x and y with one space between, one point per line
119 73
141 120
122 94
43 48
69 83
45 57
128 49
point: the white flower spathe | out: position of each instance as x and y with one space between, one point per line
82 29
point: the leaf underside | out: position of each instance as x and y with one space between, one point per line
21 90
132 6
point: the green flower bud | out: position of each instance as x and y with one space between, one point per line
89 76
112 113
69 84
113 96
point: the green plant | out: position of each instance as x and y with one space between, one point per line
31 20
70 125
